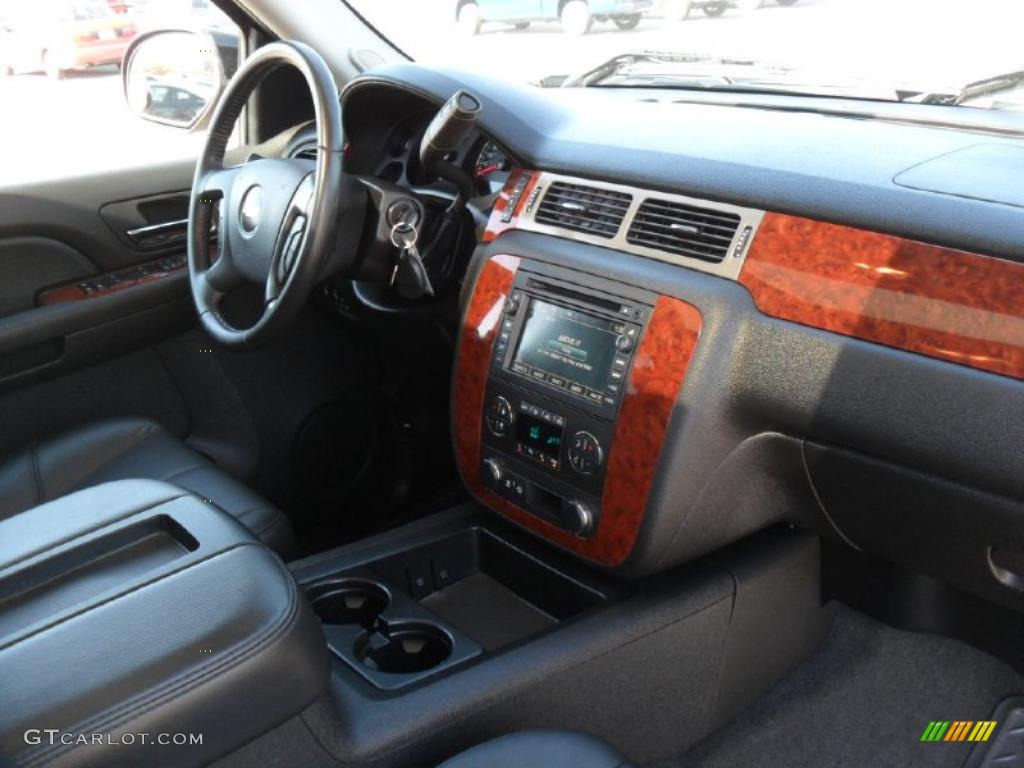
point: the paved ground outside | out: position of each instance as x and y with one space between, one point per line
55 129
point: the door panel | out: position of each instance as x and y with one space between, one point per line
29 263
71 291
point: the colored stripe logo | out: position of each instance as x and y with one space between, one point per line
959 730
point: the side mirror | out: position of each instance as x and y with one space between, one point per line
175 77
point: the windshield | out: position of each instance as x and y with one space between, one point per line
907 50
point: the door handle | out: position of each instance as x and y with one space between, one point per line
162 234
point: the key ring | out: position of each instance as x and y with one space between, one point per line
404 235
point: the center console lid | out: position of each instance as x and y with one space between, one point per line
136 608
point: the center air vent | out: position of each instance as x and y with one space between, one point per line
584 209
685 230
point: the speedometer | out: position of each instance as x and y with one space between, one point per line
491 159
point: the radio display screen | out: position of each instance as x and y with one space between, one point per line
566 347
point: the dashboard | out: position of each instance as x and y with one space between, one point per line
397 161
811 334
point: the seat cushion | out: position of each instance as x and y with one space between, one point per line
124 449
544 749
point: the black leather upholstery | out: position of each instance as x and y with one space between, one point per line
135 607
542 749
132 448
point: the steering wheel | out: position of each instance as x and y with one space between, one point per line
277 217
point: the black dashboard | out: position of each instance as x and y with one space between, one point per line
774 417
829 161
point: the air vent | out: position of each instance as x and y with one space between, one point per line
584 209
685 230
307 153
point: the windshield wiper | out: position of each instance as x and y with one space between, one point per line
621 63
701 71
988 86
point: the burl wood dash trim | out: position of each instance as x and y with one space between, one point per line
480 327
943 303
74 292
659 369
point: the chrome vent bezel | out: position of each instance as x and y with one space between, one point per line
583 208
690 231
730 266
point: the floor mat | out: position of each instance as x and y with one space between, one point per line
864 699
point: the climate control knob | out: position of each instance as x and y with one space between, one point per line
499 416
577 518
585 453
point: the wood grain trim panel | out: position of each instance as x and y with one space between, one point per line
943 303
74 292
495 225
659 369
479 329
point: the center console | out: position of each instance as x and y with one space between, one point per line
564 388
133 609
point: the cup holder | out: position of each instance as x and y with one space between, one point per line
404 648
350 601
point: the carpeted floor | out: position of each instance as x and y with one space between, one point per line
864 699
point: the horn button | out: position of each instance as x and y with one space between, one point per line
261 196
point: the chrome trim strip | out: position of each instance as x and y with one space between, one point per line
750 218
156 229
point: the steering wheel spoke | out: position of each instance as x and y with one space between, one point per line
215 184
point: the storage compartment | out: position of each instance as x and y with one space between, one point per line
133 606
488 611
53 586
405 615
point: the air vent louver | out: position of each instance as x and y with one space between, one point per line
685 230
591 210
307 153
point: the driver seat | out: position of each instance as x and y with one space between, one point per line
123 449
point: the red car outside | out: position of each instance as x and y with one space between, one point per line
57 37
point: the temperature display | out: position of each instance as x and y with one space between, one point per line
539 435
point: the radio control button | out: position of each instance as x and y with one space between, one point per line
624 343
521 368
620 363
585 453
493 472
512 304
499 416
576 389
577 518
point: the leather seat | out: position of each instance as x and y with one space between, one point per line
125 449
543 749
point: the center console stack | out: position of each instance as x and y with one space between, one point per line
558 372
565 384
